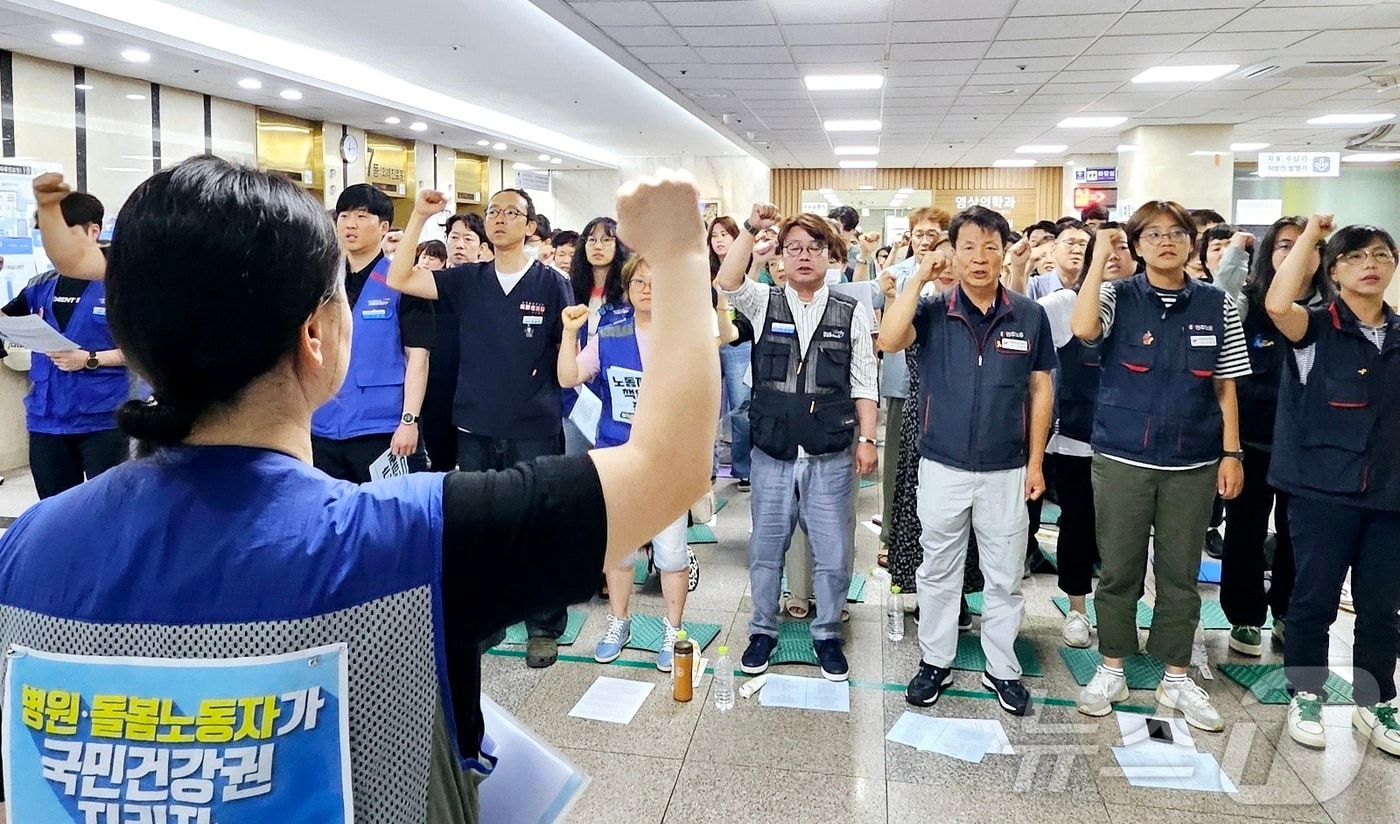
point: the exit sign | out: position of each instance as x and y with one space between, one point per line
1096 174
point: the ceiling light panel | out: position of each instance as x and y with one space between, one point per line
843 82
1185 74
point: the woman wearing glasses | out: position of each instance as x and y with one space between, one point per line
1337 454
1165 440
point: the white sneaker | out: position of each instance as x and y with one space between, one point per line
1103 691
1076 630
1380 724
1194 704
1305 721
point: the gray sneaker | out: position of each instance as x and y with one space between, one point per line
1193 703
1103 691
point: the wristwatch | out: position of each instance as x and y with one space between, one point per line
750 228
863 439
1237 455
92 361
409 418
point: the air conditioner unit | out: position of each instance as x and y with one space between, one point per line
1380 139
469 197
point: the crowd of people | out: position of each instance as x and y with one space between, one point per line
1138 374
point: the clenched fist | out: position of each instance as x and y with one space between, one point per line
574 318
659 216
50 189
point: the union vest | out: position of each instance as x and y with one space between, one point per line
1258 393
1078 387
230 552
1337 437
1157 402
370 402
619 378
74 403
803 399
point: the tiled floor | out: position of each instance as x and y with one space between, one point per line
689 763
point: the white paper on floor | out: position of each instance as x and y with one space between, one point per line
1135 733
872 526
615 700
806 694
968 739
1173 768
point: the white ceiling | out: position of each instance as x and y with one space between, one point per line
744 59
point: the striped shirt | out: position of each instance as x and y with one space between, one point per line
1233 361
1307 355
751 300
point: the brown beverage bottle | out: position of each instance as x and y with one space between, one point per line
682 668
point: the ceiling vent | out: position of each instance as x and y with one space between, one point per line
1380 139
1323 69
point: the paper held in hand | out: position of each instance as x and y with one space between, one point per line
388 465
31 332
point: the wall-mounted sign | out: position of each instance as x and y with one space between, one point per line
1300 164
1086 196
1096 174
1019 206
532 181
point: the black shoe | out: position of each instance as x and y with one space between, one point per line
928 684
964 616
755 660
744 485
832 659
1012 696
1215 544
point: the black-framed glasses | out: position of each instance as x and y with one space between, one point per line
1175 236
812 249
508 214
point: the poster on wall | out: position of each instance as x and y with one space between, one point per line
1019 206
20 244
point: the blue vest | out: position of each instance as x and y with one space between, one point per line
1258 393
370 402
974 393
1077 388
1157 402
227 552
619 375
1337 437
74 403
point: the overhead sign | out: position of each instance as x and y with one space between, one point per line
1019 206
532 181
1086 196
1300 164
1096 174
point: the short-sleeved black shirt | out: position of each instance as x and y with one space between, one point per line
514 543
415 314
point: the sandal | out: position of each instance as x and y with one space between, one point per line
796 609
883 559
845 615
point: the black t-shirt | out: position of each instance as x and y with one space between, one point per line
552 515
67 293
415 314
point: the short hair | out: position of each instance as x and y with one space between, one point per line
1045 226
1351 238
473 222
814 225
1093 212
1089 250
265 258
982 217
366 197
942 217
81 209
928 214
395 229
563 237
433 248
1204 217
1062 221
848 217
629 270
529 202
1152 210
542 227
1220 231
1065 225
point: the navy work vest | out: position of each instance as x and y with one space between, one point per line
229 552
974 388
1258 393
803 399
370 402
1157 402
74 403
619 374
1337 437
1078 388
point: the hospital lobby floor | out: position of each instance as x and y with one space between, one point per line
687 762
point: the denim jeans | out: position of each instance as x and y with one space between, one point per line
734 364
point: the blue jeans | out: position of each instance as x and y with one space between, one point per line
734 363
819 492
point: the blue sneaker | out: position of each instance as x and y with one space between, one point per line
610 646
755 660
832 659
666 655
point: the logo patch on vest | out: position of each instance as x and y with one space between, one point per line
1147 339
833 334
1261 342
1010 341
784 329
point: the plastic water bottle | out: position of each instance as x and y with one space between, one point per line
724 681
894 615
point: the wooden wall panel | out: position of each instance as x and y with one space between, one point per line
1045 181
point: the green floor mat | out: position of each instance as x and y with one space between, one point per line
1213 617
648 631
640 571
866 483
971 658
856 593
701 534
1142 671
794 644
1049 513
974 602
516 635
1269 685
720 504
1144 612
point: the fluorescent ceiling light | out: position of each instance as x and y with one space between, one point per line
1092 122
1046 149
1349 119
136 97
67 38
418 126
1372 157
1248 147
392 120
500 147
544 157
290 94
1184 74
136 56
1013 163
483 143
856 150
866 187
857 164
1128 147
1207 153
852 125
843 82
250 83
85 87
556 160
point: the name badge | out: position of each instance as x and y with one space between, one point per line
1203 340
784 329
375 314
100 311
532 320
1013 345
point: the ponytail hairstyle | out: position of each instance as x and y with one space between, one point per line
214 272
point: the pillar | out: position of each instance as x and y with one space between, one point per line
1192 165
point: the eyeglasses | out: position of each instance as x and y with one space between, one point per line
925 235
640 284
508 214
1155 237
600 241
1075 244
812 249
1384 257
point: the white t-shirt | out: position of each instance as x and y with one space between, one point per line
509 280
